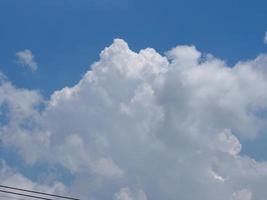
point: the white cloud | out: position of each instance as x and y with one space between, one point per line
9 176
146 126
242 195
26 59
126 194
265 38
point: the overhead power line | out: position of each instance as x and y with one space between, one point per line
25 195
35 192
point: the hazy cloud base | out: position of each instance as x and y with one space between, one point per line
141 126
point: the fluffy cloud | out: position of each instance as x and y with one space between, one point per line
26 59
9 176
143 126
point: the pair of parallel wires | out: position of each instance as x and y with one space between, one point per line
14 193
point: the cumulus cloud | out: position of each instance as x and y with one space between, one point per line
140 126
26 59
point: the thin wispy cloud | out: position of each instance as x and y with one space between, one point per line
26 59
265 38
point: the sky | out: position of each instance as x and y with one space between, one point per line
66 36
134 100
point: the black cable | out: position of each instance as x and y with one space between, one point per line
25 195
43 193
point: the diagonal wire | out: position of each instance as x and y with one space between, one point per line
43 193
25 195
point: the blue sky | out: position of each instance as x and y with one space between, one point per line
66 36
200 116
